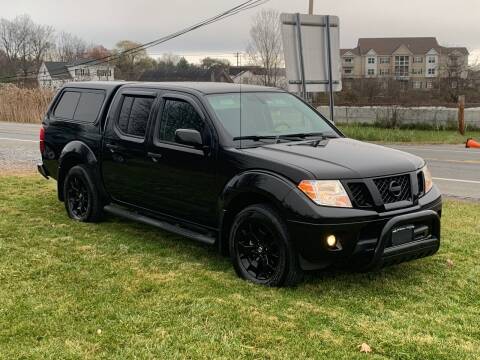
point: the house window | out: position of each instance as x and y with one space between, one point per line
384 71
431 71
417 84
348 60
106 72
432 60
385 60
371 72
371 60
417 71
82 72
418 59
347 71
402 65
429 85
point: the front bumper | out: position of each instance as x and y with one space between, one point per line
366 242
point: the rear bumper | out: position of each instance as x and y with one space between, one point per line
367 243
42 170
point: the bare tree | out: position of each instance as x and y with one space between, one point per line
69 47
24 43
265 47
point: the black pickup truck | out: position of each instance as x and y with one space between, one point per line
253 170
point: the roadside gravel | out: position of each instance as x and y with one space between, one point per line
18 156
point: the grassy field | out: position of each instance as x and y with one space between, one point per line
124 290
372 133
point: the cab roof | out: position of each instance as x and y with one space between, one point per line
202 87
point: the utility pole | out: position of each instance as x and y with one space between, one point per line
238 56
310 7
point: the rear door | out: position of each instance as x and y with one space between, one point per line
182 176
125 166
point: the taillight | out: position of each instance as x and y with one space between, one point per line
42 140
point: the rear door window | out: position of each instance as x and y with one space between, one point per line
134 115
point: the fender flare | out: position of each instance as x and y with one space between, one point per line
80 153
265 184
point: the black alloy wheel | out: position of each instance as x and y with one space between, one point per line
260 248
82 199
257 249
77 197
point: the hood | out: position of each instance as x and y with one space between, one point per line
340 158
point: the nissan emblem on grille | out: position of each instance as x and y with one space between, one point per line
395 188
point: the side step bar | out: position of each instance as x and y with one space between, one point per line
118 211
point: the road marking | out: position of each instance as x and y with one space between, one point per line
455 161
437 150
458 180
13 139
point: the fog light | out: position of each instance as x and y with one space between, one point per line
331 241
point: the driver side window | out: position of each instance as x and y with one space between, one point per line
178 114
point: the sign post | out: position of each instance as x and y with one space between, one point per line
312 54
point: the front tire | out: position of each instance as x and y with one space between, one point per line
82 200
260 248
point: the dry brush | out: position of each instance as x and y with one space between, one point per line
23 105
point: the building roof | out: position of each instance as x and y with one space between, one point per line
461 50
386 46
353 51
58 70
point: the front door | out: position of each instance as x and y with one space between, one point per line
183 177
125 165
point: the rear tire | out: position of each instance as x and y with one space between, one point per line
260 248
81 197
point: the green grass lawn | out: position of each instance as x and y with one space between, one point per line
124 290
373 133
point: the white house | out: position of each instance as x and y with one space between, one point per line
53 74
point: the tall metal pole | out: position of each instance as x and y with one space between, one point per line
329 64
300 50
310 7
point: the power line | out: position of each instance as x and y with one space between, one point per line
246 5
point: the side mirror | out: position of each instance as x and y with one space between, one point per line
188 137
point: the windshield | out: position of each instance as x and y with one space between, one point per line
269 114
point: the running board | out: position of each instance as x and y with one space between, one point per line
118 211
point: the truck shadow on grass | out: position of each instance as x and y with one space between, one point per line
157 242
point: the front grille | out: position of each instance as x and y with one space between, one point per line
400 183
360 194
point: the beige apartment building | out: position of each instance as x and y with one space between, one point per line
419 62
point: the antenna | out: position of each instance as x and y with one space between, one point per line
240 112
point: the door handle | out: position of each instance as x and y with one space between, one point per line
112 147
154 156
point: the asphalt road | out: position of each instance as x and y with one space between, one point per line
456 170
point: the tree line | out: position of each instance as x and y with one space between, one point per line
24 45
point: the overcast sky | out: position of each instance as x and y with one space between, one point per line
454 23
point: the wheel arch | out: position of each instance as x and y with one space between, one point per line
249 188
76 153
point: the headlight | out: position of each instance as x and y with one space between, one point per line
326 192
427 178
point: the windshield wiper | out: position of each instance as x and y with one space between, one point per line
254 137
283 136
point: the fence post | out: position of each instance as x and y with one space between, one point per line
461 114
